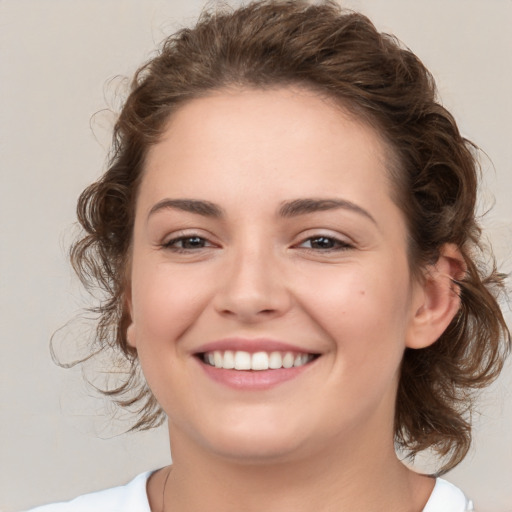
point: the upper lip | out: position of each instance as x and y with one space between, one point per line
252 345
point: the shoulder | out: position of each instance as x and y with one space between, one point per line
446 497
131 497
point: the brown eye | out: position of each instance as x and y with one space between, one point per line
324 243
187 243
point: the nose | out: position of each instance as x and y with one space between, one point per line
252 287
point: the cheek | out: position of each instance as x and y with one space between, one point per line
165 303
365 313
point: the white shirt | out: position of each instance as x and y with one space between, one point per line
132 497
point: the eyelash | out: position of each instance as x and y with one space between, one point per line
171 244
335 244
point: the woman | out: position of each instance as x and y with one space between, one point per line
287 239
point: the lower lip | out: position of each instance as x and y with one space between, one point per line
254 380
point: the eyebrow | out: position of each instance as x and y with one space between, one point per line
288 209
199 207
311 205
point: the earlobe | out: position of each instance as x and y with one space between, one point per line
436 300
130 330
130 335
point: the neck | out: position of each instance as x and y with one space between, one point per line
358 477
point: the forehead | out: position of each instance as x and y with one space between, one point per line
287 133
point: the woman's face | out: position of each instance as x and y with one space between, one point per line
265 235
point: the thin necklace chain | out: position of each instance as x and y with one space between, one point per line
165 485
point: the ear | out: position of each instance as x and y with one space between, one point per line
130 329
436 300
131 335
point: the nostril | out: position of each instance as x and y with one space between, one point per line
251 304
265 312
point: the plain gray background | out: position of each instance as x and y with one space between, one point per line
58 63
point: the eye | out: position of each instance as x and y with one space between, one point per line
324 243
187 243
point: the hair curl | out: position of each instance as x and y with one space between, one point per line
340 54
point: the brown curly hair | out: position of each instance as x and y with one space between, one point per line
341 55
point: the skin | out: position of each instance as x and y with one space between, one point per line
334 282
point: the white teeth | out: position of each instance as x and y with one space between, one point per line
259 361
288 360
241 360
229 360
301 360
275 360
217 359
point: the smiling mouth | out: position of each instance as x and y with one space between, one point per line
257 361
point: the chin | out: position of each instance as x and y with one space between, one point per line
259 444
257 451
